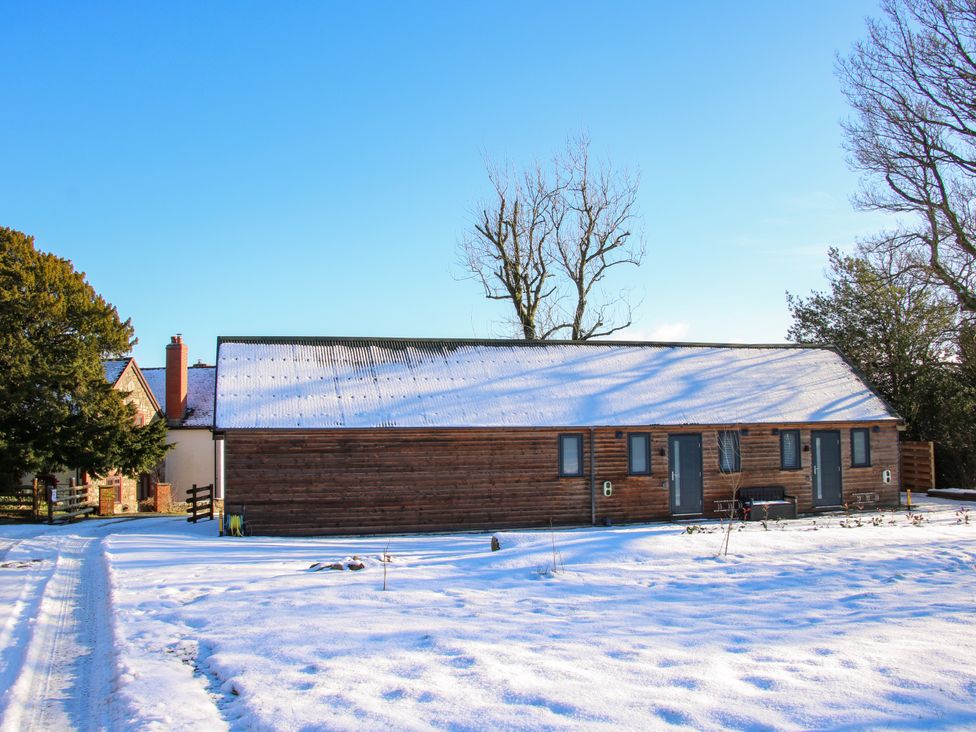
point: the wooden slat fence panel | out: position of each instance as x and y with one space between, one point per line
21 502
67 503
201 503
917 465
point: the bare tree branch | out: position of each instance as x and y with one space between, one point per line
912 86
546 242
596 235
507 252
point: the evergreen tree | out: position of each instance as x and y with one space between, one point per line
56 408
952 415
904 334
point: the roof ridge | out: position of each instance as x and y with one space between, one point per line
197 366
507 342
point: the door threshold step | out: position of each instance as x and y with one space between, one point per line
838 507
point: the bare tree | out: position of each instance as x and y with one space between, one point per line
547 241
912 85
596 235
730 470
509 250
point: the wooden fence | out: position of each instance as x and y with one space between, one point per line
917 467
22 502
201 502
67 503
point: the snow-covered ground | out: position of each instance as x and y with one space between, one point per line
157 624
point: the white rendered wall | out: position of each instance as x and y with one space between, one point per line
191 461
219 484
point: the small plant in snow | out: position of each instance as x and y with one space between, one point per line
877 520
557 558
916 519
849 521
733 478
962 515
697 529
386 559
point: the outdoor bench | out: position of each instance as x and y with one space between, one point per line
767 502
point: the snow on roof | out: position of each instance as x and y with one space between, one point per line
199 393
114 368
316 383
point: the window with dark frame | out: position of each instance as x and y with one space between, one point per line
860 448
639 453
728 451
789 450
570 455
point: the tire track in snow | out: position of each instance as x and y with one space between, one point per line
65 678
18 624
10 544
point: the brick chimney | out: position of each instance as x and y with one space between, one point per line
176 357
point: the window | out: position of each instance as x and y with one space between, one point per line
789 450
860 448
639 453
570 455
728 451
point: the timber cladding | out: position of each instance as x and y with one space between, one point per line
403 480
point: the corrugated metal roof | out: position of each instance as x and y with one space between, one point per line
200 382
331 383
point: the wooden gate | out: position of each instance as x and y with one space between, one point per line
917 466
201 503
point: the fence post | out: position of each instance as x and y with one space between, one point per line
35 504
211 501
50 503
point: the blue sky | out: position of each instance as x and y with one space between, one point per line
309 168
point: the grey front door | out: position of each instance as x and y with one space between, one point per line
685 464
827 490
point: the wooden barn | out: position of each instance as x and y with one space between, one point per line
371 435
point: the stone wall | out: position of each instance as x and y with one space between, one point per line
136 394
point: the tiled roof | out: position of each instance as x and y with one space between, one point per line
317 383
114 368
199 393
